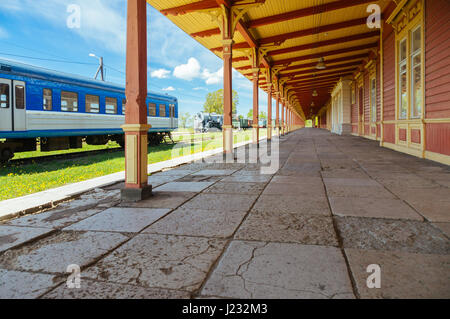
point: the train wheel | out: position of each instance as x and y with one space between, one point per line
6 154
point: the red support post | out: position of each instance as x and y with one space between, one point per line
136 127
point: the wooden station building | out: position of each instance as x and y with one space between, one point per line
379 69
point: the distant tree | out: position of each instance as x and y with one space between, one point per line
214 102
262 115
185 120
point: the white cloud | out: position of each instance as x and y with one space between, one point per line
200 88
160 74
170 88
212 78
188 71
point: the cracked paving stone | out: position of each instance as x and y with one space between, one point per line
403 275
121 219
54 253
162 261
286 227
12 236
55 218
198 222
162 200
279 270
221 202
194 187
91 199
317 191
91 289
236 188
392 235
298 204
247 178
370 207
24 285
215 172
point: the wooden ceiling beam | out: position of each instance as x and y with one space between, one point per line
331 61
334 73
313 70
280 38
301 13
326 53
315 45
191 7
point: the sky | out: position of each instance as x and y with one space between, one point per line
45 33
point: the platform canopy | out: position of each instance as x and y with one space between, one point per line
290 36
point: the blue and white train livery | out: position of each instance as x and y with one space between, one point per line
62 110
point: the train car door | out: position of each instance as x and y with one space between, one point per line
19 111
172 114
5 105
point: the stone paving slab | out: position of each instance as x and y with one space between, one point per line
195 187
198 222
378 192
163 200
403 275
159 261
247 178
24 285
91 289
236 188
222 202
372 208
298 204
54 253
318 191
55 218
392 235
444 227
279 270
12 236
121 219
215 172
288 228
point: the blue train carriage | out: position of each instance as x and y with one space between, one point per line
60 111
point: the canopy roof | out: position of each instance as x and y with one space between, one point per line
292 35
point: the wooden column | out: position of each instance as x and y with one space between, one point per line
227 96
136 127
255 106
269 113
282 116
277 116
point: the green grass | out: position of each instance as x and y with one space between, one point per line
20 180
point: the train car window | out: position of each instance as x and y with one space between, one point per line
111 105
92 103
69 101
172 110
152 109
162 110
124 105
47 96
20 97
4 96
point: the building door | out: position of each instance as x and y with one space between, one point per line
6 118
361 112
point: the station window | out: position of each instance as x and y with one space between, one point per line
110 105
92 103
4 96
416 73
124 105
47 99
373 99
152 109
403 94
162 110
69 101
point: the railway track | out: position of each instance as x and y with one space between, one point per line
65 156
